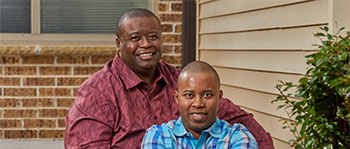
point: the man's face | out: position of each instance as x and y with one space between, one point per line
140 43
198 98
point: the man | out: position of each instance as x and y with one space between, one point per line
134 91
198 95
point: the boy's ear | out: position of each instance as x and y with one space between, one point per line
221 93
176 95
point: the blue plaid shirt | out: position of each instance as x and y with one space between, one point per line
220 135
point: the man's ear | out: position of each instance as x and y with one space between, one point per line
176 95
117 42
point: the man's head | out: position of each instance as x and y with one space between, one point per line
139 40
198 96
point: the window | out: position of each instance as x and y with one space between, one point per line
63 21
14 16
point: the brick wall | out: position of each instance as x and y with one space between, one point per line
36 90
170 15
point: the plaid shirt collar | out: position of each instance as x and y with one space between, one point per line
180 130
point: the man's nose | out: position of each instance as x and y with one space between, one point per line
145 42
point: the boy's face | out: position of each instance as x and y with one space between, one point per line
198 98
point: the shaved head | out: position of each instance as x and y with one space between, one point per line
199 67
132 13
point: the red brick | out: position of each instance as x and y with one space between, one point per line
53 112
164 17
51 134
178 28
61 123
16 70
20 134
55 70
1 134
10 102
9 59
176 6
0 70
70 81
167 49
38 59
167 28
9 81
68 59
65 102
101 59
54 92
163 7
75 91
178 49
171 38
39 123
86 70
10 123
19 92
38 81
38 102
20 113
172 59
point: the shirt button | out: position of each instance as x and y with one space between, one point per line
155 117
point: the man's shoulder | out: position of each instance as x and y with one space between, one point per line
168 69
102 76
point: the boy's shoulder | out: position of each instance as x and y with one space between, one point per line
165 129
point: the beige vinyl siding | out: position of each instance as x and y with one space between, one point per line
254 43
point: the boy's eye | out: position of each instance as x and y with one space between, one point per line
207 95
188 95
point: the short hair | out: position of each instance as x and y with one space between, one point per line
132 13
199 67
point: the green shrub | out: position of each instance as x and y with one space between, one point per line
322 115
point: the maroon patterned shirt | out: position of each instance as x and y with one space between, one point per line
114 108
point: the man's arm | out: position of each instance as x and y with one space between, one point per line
89 123
233 114
152 139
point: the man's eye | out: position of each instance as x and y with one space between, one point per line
207 95
153 37
135 38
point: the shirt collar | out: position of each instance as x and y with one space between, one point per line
129 77
214 130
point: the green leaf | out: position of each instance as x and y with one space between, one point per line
329 36
326 28
303 80
320 34
319 62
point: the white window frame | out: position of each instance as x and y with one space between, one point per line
37 38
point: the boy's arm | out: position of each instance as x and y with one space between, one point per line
152 139
233 114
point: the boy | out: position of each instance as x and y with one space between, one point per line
198 97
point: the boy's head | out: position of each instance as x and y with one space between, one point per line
198 95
